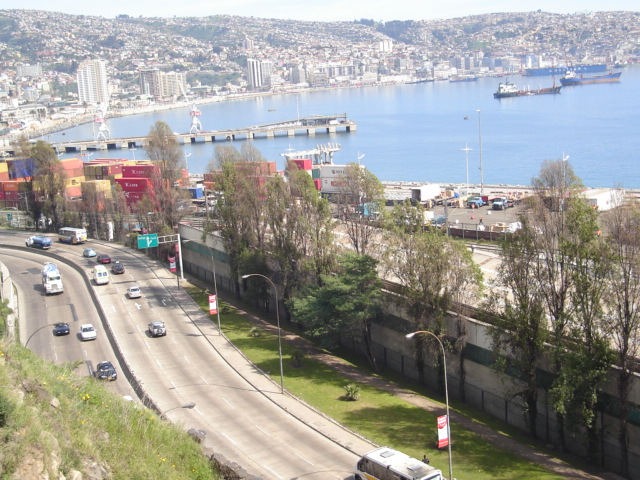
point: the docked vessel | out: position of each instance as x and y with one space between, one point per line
571 78
463 78
507 90
561 70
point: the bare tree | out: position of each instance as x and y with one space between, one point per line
623 306
360 194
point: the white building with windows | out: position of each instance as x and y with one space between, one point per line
92 79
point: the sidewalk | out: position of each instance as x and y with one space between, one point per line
353 373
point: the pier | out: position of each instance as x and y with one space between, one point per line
311 125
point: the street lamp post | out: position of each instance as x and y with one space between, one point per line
446 392
275 291
189 406
215 286
480 142
466 151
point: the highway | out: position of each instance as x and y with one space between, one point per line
246 418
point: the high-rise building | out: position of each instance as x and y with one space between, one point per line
254 73
161 84
150 82
92 82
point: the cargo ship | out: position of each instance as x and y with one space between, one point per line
570 78
561 70
507 90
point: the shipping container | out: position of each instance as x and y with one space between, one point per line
315 173
111 169
318 183
134 184
10 186
4 167
140 171
12 195
196 193
332 171
71 163
73 192
303 163
2 195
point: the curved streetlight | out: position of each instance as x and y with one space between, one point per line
446 392
480 142
275 291
189 406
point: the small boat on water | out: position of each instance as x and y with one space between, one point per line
570 78
507 90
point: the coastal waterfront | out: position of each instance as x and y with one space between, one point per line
417 132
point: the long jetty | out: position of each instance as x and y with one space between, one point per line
310 125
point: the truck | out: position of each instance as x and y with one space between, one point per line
475 202
51 279
501 203
39 241
425 194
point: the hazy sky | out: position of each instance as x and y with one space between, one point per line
323 10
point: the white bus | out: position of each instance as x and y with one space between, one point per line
384 463
72 235
100 275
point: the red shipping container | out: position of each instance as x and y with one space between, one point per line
135 197
71 163
2 195
73 191
318 183
134 184
4 176
12 195
302 163
139 171
10 186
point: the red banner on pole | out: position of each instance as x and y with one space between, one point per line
172 264
213 305
443 431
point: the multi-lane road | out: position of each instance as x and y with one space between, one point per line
246 418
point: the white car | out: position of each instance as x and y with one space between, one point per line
134 292
88 332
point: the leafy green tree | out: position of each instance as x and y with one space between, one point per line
344 303
431 270
585 352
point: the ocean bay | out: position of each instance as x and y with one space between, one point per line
418 132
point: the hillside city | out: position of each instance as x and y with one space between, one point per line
149 61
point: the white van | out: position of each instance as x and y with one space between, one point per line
101 275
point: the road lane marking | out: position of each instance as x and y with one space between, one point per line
272 471
230 439
229 403
187 359
262 430
204 380
300 456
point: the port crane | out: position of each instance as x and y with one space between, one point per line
104 133
196 126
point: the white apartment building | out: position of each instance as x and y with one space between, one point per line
92 82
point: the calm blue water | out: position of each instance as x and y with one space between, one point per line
417 132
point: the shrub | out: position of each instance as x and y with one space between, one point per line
297 357
255 332
6 407
352 392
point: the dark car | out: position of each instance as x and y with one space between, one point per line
61 329
117 268
106 371
103 258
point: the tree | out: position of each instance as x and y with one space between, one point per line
300 243
520 327
344 303
164 151
623 307
359 190
585 352
431 270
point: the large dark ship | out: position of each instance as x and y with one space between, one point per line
561 70
571 78
507 90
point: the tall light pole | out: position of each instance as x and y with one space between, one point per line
480 142
188 406
446 391
215 286
186 161
275 291
466 150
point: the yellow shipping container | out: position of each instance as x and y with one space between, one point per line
4 167
74 181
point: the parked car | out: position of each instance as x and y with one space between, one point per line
134 292
89 252
106 371
61 329
88 332
157 329
117 268
103 258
